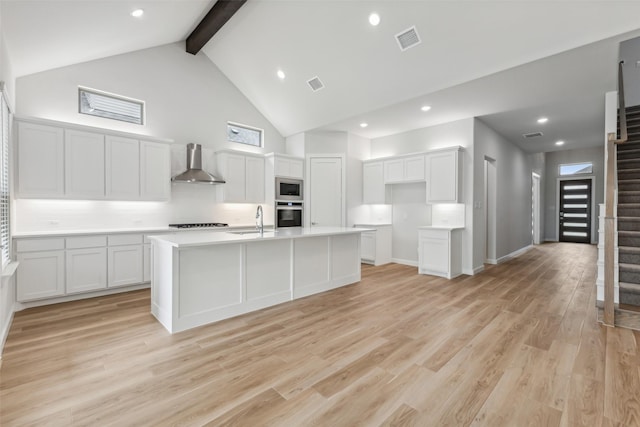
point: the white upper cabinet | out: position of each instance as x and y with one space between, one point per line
373 187
123 168
84 165
443 176
40 161
288 167
244 176
155 171
404 169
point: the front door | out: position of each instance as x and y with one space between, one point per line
575 211
326 192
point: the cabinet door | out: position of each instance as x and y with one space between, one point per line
155 171
84 164
296 168
86 269
373 187
393 171
442 181
40 161
233 172
434 255
368 246
125 265
146 263
40 275
123 168
282 167
254 180
414 168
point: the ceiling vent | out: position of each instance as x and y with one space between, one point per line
315 84
408 38
532 134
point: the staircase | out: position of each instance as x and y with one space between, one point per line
629 212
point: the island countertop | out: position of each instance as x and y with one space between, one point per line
205 238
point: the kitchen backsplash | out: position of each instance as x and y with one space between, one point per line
189 203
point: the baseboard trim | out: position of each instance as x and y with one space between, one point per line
408 262
5 332
513 254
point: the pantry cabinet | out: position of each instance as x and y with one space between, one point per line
40 171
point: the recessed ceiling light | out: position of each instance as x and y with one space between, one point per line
364 125
559 142
374 19
425 108
543 120
137 13
281 74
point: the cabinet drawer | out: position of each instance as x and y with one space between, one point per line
31 245
86 242
125 239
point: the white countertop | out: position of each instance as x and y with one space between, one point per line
166 229
441 227
204 238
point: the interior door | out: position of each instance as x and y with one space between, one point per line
325 198
575 211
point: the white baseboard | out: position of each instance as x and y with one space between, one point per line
513 254
405 262
473 271
551 240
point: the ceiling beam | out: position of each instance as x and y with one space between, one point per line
219 14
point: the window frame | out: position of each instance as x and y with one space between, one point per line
98 92
247 127
575 173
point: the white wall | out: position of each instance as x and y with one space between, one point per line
538 166
358 149
513 192
6 71
553 161
187 99
408 216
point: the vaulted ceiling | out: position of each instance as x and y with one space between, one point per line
505 61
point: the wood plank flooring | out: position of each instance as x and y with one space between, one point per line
516 345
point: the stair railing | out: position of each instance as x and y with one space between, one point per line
611 185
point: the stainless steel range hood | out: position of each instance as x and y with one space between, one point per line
194 173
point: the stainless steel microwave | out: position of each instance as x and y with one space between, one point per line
288 189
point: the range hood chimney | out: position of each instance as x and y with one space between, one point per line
194 173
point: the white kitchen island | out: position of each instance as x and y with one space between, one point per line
202 277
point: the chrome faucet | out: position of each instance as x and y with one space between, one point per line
260 224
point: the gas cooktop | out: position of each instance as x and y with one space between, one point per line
200 225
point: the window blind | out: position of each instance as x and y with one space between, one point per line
5 237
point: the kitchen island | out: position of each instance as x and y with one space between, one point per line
203 277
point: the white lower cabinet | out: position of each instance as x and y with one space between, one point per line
146 263
375 246
125 265
40 275
440 252
86 270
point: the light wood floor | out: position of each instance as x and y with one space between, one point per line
516 345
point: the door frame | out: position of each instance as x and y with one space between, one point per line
307 185
490 183
535 208
594 231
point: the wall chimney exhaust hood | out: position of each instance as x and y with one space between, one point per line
194 173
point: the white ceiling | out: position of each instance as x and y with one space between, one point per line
477 58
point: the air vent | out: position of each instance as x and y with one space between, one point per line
532 134
315 84
408 38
